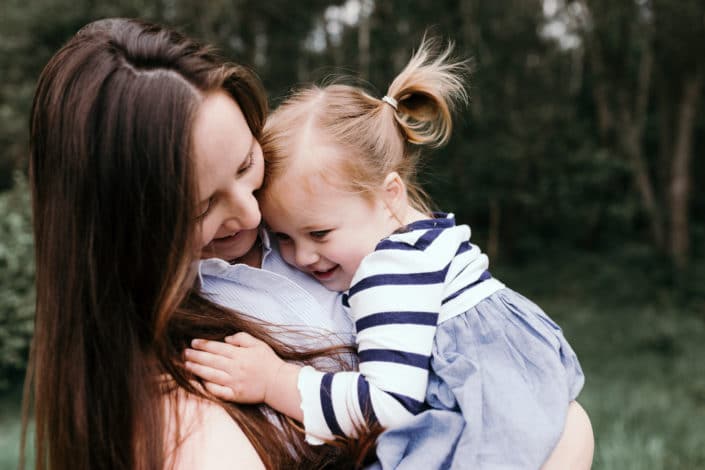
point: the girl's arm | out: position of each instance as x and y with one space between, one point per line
395 304
244 369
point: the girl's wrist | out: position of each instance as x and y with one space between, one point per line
271 385
282 392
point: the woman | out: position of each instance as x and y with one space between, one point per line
144 153
118 170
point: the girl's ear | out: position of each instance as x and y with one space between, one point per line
394 193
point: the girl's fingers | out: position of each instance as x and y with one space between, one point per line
215 347
242 339
215 361
208 373
219 391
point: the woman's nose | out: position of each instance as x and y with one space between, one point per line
244 209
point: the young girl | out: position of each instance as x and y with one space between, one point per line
434 328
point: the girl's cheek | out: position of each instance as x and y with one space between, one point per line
287 252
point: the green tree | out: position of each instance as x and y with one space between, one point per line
645 73
16 280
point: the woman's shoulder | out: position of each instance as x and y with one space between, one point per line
201 434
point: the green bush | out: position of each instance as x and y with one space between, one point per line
16 280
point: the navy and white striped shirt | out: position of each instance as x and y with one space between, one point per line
413 281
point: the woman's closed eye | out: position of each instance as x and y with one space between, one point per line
206 208
247 164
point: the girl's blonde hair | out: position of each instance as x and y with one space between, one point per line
376 137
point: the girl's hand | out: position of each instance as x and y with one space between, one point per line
243 369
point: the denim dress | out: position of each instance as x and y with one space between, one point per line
502 377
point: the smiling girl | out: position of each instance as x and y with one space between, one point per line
434 328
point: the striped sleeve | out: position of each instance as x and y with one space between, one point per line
395 299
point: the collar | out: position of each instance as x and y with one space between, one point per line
437 220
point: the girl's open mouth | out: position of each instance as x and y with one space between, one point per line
325 275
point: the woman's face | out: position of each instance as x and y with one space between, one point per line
229 168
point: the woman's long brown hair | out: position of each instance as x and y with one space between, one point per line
113 204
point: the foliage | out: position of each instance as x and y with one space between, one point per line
556 145
552 163
16 280
543 156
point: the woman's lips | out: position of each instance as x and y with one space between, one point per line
224 240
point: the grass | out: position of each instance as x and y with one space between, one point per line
641 345
645 384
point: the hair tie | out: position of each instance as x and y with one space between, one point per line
391 101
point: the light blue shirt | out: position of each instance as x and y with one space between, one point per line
278 294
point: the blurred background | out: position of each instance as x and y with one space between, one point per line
579 164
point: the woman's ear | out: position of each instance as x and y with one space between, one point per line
394 194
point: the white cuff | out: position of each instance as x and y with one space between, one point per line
309 385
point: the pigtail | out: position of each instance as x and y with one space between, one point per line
426 92
373 135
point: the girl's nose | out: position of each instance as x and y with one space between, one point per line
305 256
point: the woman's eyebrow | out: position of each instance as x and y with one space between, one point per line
253 141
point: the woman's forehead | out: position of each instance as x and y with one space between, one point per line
221 138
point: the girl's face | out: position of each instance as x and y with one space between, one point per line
229 168
322 229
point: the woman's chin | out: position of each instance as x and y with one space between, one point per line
230 248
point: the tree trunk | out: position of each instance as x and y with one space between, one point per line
471 38
631 138
629 129
665 138
632 125
363 40
621 116
605 121
680 175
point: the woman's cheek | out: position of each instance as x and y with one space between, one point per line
205 232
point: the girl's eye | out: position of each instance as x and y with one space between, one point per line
247 164
319 234
204 212
282 237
